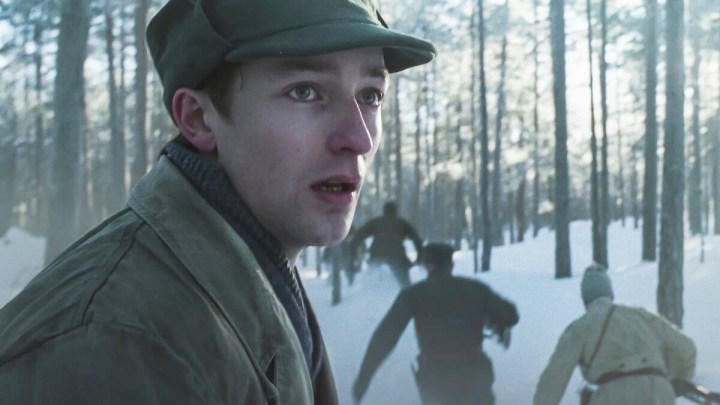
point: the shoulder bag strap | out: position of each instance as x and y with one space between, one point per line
602 333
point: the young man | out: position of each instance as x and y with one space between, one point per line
630 353
389 233
450 316
190 294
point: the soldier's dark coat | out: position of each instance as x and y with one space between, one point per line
450 315
389 233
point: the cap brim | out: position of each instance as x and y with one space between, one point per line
401 51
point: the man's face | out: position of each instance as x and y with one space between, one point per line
299 138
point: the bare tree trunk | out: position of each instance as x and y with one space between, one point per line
14 126
520 211
91 194
336 284
716 178
484 148
562 180
716 166
140 160
497 191
387 168
634 190
67 126
621 160
122 91
115 197
418 157
432 148
604 171
508 214
595 216
460 184
649 249
8 165
460 223
161 125
536 125
433 106
398 142
40 160
378 164
670 266
474 201
7 179
694 194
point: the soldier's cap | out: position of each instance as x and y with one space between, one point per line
188 39
438 254
595 284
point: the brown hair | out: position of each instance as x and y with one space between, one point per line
218 86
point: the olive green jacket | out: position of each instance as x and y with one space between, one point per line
162 304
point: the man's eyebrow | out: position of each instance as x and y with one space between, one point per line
290 65
380 72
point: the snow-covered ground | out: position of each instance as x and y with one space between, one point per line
521 272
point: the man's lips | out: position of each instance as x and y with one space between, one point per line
336 186
338 190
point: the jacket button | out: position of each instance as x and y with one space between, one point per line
622 365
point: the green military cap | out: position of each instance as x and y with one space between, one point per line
188 39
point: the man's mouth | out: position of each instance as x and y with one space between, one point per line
335 187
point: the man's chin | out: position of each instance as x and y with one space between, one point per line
335 240
334 236
329 229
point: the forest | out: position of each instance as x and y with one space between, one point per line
534 114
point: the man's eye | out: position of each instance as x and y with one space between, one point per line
303 93
372 97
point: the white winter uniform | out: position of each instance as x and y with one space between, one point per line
634 339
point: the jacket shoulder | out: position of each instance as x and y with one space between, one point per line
56 300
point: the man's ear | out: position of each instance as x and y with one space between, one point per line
188 108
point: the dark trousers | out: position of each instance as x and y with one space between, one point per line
456 380
399 267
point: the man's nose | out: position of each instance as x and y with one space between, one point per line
353 133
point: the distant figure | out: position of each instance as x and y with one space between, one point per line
629 353
337 259
389 233
450 316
